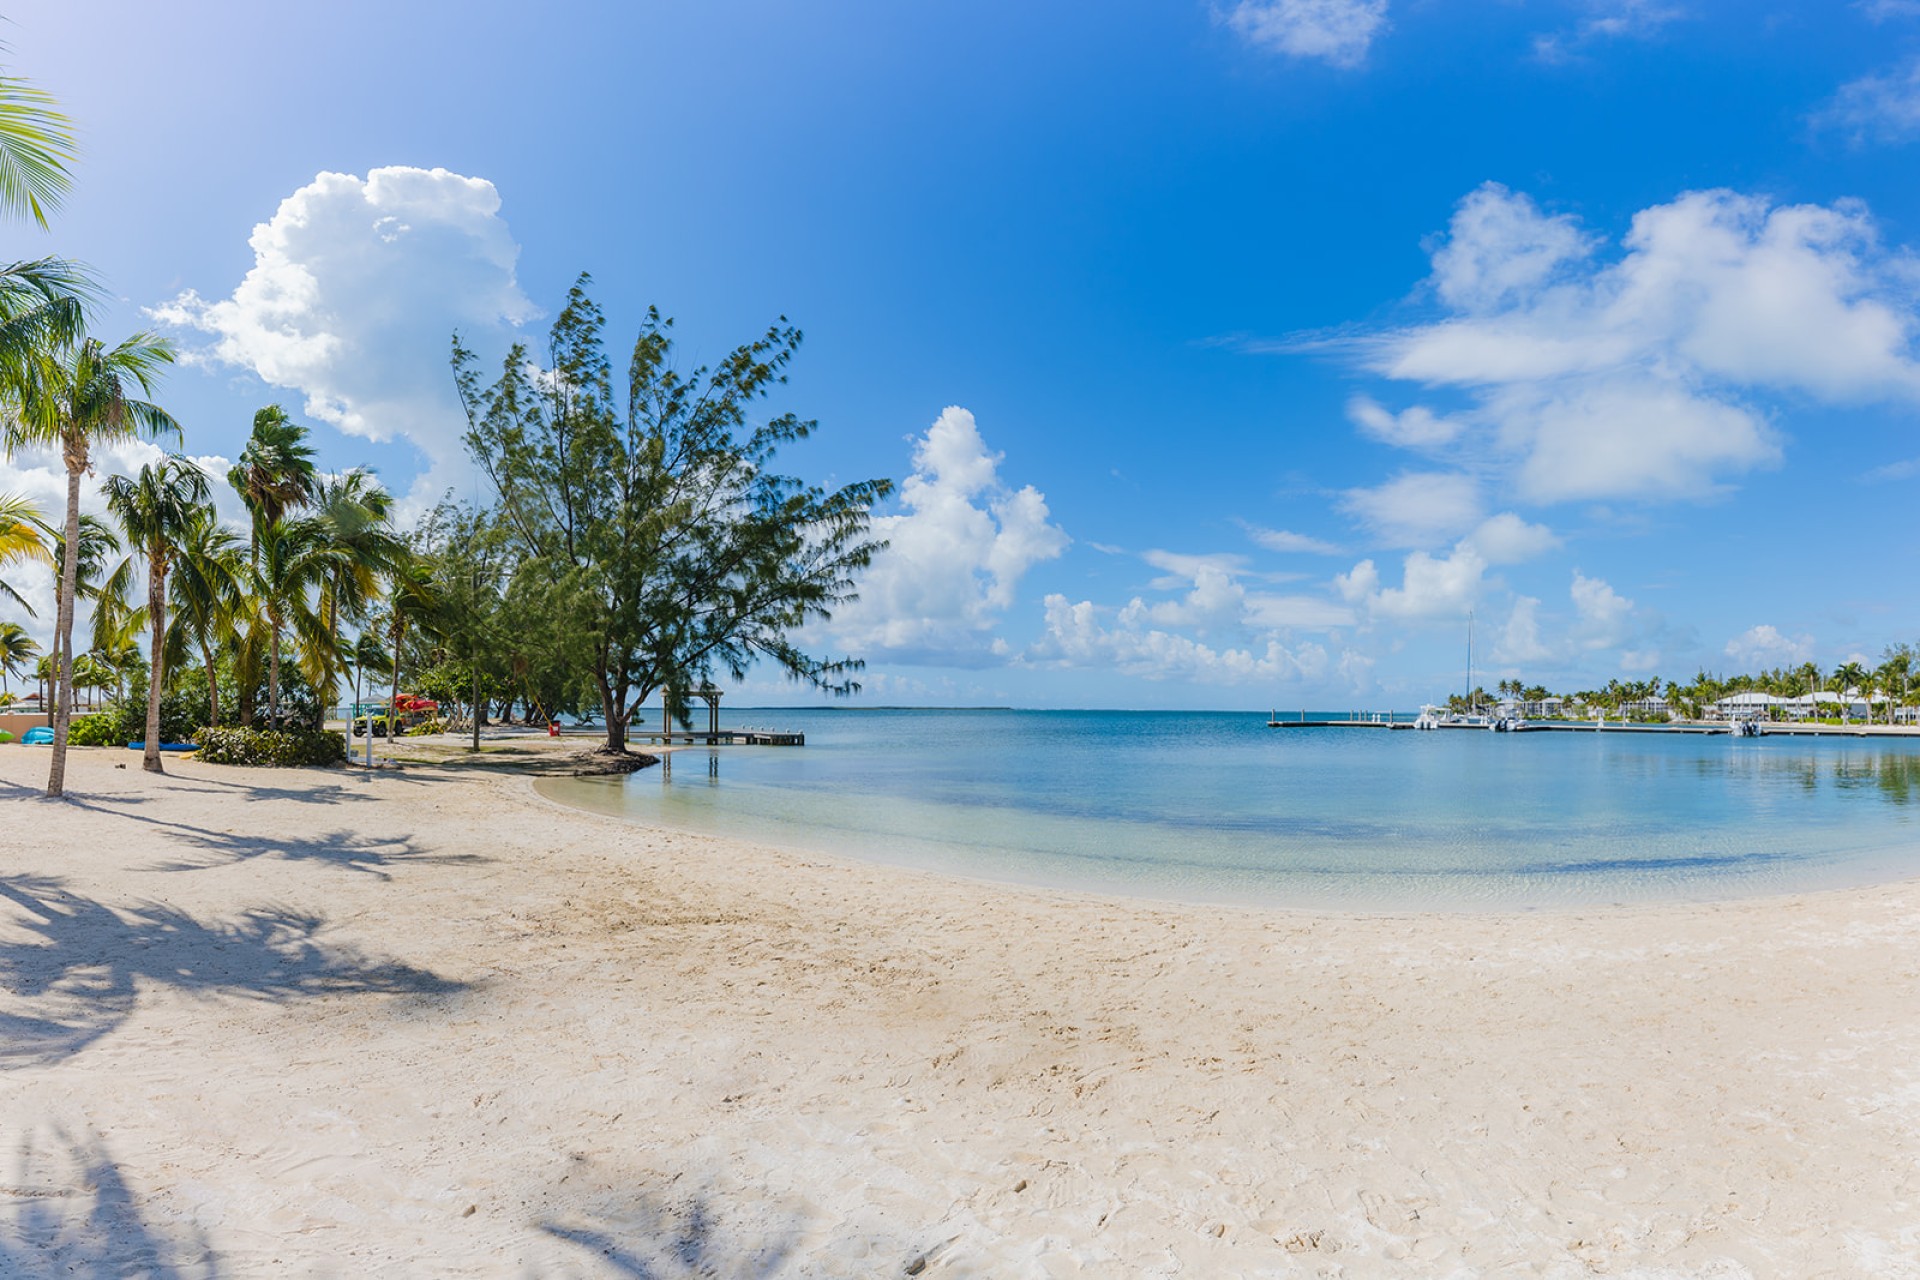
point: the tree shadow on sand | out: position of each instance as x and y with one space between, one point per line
350 850
675 1241
69 1211
691 1236
76 974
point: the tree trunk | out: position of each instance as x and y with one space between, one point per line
157 618
616 728
478 708
273 680
63 634
399 634
213 686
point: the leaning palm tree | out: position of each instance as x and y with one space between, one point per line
205 596
295 559
76 396
275 474
155 511
17 652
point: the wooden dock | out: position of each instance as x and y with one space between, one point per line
718 738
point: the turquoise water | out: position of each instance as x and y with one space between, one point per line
1218 807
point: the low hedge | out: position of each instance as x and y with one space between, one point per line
96 730
275 748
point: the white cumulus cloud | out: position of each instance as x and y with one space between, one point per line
1605 616
1335 31
1520 640
356 288
1765 645
1638 374
1416 508
955 554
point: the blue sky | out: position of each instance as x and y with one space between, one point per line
1231 353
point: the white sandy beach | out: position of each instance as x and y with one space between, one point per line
272 1023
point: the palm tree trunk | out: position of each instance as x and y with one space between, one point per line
157 619
399 634
213 686
273 680
63 636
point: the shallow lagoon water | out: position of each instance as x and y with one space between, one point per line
1218 807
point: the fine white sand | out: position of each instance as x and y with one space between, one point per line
427 1023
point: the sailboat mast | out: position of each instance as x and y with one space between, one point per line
1469 662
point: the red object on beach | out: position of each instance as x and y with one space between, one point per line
553 729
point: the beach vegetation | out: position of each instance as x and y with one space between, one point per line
96 730
653 509
295 747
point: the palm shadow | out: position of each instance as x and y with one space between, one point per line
76 976
346 785
691 1236
667 1242
71 1212
351 850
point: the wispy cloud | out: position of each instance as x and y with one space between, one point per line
1288 542
1606 20
1338 32
1882 108
1904 469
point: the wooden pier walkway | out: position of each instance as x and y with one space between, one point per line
718 738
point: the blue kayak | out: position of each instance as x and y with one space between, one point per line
165 746
38 736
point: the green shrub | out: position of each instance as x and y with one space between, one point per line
96 730
433 724
283 748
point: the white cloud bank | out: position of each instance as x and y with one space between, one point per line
955 555
356 288
1632 376
1338 32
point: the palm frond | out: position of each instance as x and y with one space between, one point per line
36 147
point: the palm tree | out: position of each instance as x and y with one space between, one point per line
1850 676
155 511
36 146
76 396
17 649
412 597
20 539
354 511
294 561
275 472
205 595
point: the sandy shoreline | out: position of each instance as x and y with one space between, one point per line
295 1023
